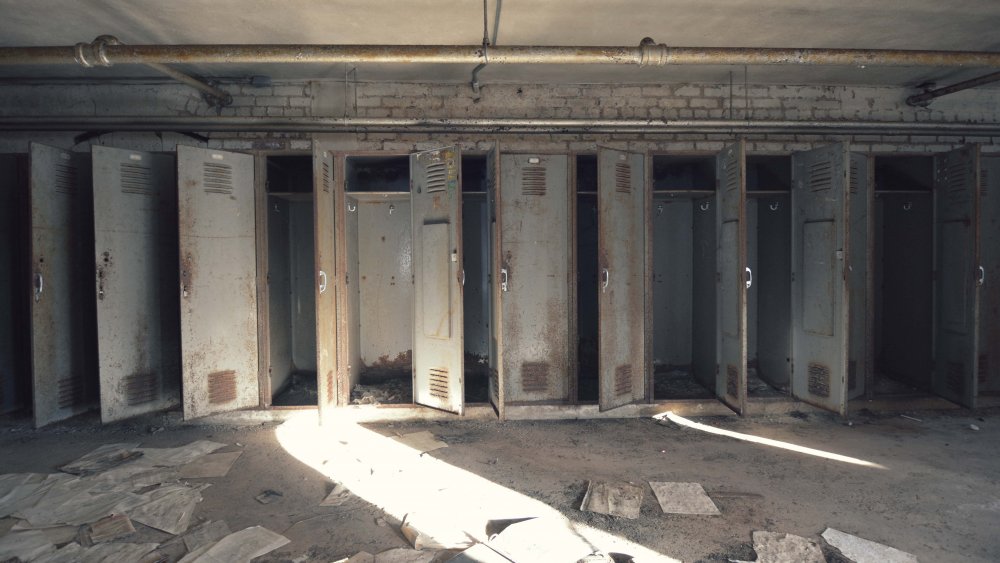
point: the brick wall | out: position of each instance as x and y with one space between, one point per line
413 100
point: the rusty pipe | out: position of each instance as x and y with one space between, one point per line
96 54
921 100
485 125
647 53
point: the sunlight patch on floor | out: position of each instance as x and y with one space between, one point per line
446 500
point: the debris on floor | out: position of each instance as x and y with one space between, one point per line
422 533
479 553
541 540
423 441
776 547
861 550
615 499
338 496
268 496
683 498
387 391
210 465
90 511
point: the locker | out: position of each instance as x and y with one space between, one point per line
989 336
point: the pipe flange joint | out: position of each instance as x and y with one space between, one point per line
652 53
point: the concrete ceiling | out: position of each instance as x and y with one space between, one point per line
885 24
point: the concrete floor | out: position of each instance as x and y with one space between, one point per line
930 487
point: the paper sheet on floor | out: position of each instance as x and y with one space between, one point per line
110 528
541 540
102 553
172 457
421 441
479 553
207 534
615 499
241 546
775 547
102 459
404 555
170 508
683 498
26 545
861 550
210 465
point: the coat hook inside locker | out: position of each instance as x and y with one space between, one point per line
351 209
705 206
908 206
392 207
659 209
773 206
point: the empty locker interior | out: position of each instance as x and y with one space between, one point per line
291 310
769 251
989 249
684 281
477 290
587 273
15 382
902 261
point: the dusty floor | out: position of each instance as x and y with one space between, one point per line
938 496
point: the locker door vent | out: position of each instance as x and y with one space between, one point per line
437 177
820 176
533 181
852 374
732 176
221 387
217 178
623 380
623 178
534 377
141 388
327 180
135 179
71 391
66 179
984 368
329 387
819 380
732 381
956 175
855 181
439 383
954 379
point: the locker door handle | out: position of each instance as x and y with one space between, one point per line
39 286
463 278
607 279
322 282
982 276
503 279
749 278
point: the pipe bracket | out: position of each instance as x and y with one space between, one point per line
652 53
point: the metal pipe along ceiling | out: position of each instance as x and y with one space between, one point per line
647 53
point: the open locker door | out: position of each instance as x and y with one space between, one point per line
533 276
130 190
859 354
820 297
496 383
958 274
621 202
734 278
218 265
438 347
324 203
62 306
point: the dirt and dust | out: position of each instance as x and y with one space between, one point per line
935 491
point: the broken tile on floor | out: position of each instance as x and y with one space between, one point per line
206 534
110 528
102 459
209 465
422 441
776 547
26 545
615 499
241 546
861 550
170 508
683 498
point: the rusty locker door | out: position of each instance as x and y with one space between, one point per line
129 192
820 297
62 306
534 231
621 202
496 383
958 274
324 204
218 265
734 278
438 277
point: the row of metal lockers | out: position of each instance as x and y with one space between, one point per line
219 281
